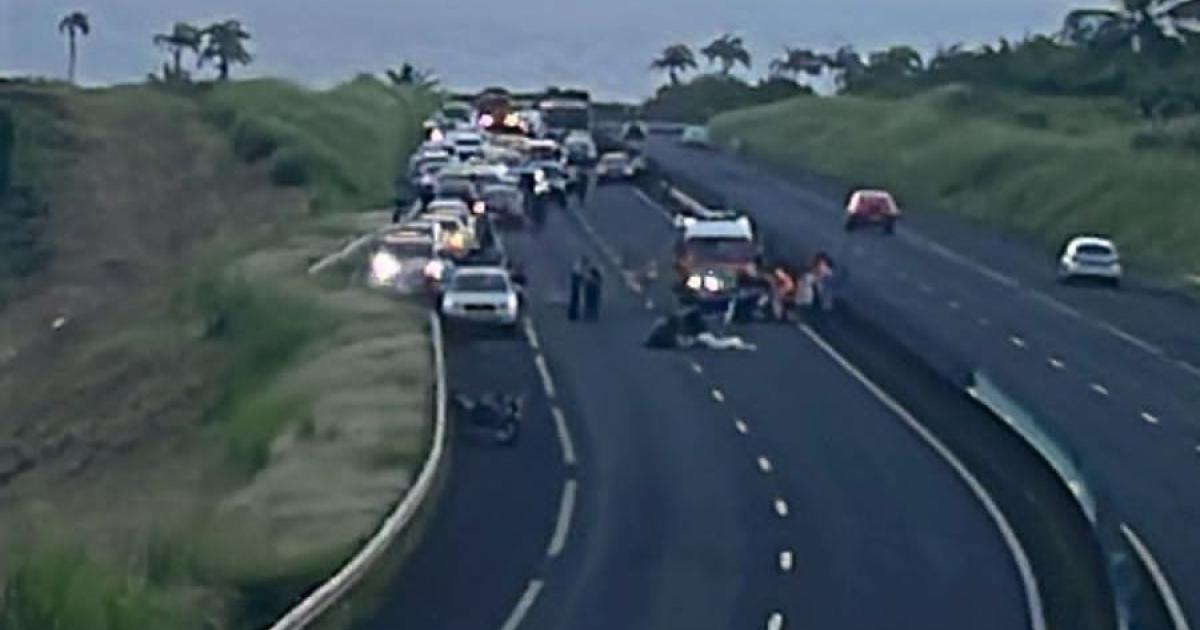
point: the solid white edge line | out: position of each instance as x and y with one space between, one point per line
1178 618
564 436
523 605
327 594
1056 305
544 372
562 527
1033 596
987 272
663 212
1131 339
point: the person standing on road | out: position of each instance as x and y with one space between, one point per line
822 280
579 274
593 289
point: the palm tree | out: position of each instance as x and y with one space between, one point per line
73 25
1138 25
224 43
897 62
727 50
794 61
675 59
848 64
183 37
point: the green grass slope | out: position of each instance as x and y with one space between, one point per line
1049 167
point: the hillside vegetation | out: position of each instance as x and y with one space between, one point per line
193 431
1047 166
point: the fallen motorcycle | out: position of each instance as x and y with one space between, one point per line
491 416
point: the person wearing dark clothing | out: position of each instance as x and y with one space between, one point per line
592 291
579 274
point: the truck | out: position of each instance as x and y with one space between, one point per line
564 111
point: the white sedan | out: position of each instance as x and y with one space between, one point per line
485 295
1090 257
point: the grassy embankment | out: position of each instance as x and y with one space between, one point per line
211 432
1048 167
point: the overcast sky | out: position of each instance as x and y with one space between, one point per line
605 45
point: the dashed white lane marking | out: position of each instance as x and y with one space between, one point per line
900 275
1099 389
925 288
696 368
983 321
562 527
1174 609
1033 596
1132 340
1149 417
741 427
786 560
649 304
781 508
532 336
1017 341
523 605
718 396
954 305
564 436
544 372
764 464
775 621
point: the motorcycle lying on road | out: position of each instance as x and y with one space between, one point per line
491 416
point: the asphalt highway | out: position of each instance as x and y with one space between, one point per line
1113 374
774 488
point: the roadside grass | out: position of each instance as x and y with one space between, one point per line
1048 167
315 391
346 144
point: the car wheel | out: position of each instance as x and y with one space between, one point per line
889 226
1114 283
851 224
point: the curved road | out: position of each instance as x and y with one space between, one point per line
1113 373
710 490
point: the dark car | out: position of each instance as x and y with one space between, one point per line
872 207
505 203
453 187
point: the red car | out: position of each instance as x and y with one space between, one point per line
872 207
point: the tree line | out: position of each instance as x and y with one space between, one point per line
1146 51
221 44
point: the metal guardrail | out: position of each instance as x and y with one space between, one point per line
325 596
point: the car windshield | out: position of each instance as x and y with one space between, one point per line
457 113
720 250
480 283
408 249
1094 249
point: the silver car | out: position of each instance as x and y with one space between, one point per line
1090 257
484 295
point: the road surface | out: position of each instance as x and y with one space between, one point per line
709 490
1113 373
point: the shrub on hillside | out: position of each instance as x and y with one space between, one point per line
708 95
256 138
8 135
290 168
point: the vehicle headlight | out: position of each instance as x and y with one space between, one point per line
712 284
478 207
384 266
541 187
486 120
436 135
694 282
457 240
434 269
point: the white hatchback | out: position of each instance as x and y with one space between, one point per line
1090 257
